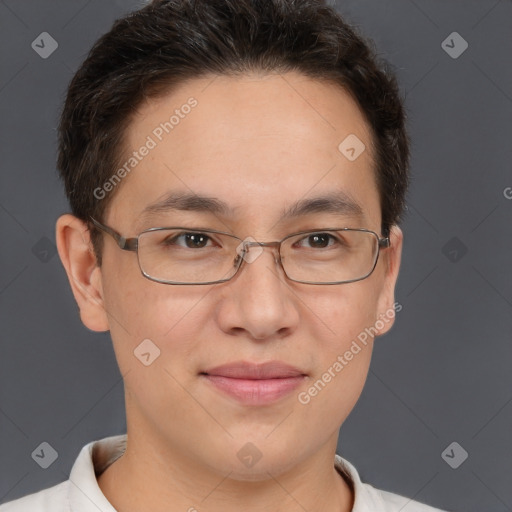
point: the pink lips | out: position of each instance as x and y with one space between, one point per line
255 384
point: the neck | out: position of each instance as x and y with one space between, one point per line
148 478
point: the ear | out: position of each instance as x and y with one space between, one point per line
77 255
386 306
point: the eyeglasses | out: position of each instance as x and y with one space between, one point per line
179 255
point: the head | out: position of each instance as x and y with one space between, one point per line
256 104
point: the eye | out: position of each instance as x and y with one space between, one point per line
319 240
189 240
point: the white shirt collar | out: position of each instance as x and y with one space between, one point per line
92 460
84 493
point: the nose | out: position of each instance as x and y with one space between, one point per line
258 299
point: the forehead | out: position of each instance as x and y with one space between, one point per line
259 143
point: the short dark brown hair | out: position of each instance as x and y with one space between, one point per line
151 50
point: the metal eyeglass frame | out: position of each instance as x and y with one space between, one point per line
131 244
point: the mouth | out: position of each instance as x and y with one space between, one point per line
255 384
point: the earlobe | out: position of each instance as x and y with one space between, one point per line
77 256
386 304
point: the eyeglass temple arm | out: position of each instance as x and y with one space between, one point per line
126 244
384 242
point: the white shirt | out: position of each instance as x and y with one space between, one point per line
81 492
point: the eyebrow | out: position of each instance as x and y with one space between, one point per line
339 203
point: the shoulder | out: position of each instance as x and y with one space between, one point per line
395 502
369 499
54 499
81 490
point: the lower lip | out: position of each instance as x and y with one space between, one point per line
255 391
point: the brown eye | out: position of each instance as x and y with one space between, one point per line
318 241
188 240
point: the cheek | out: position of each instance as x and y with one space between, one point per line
344 310
139 309
341 321
157 334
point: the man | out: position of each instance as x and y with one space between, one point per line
194 137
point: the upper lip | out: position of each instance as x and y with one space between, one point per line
247 370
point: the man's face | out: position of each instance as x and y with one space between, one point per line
258 144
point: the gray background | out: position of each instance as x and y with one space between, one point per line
441 375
